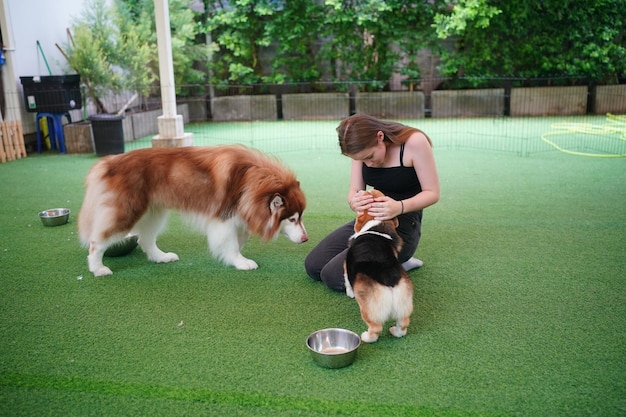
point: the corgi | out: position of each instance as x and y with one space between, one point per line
375 278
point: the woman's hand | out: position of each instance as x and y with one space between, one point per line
361 201
385 208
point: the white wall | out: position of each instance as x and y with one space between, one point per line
45 21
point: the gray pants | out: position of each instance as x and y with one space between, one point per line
325 261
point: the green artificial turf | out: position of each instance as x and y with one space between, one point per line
520 309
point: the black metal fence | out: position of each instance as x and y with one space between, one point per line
511 115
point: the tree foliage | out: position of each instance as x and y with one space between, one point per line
92 51
569 38
295 42
114 47
250 42
238 33
358 46
466 12
363 40
188 54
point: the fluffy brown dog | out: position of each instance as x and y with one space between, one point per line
228 192
375 277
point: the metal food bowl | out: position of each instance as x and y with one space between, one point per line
54 217
333 348
123 247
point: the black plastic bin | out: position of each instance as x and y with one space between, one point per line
52 93
108 133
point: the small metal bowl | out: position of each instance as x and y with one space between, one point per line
54 217
123 247
333 348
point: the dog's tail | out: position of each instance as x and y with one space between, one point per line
94 192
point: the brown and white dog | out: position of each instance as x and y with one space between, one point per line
229 192
374 276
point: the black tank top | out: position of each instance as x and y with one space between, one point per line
398 183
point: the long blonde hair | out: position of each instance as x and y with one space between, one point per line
358 132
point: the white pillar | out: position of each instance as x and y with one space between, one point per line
171 129
11 92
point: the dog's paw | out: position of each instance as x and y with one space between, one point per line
166 257
245 264
396 331
349 292
102 271
368 337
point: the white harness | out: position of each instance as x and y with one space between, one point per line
365 230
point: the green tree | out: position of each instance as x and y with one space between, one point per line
414 33
572 38
294 31
238 35
136 54
358 38
114 47
189 55
355 40
92 49
370 40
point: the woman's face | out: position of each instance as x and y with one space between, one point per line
373 156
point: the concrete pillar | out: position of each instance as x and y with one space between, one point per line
11 92
171 129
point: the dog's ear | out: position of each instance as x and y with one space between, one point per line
276 203
365 216
362 218
375 193
395 222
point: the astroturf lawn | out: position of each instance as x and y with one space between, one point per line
520 309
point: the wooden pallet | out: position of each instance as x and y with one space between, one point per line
12 144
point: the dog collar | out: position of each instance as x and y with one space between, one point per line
372 232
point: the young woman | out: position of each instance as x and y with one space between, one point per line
398 161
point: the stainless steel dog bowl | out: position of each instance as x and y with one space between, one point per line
123 247
333 348
54 217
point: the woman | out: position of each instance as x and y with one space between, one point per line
398 161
